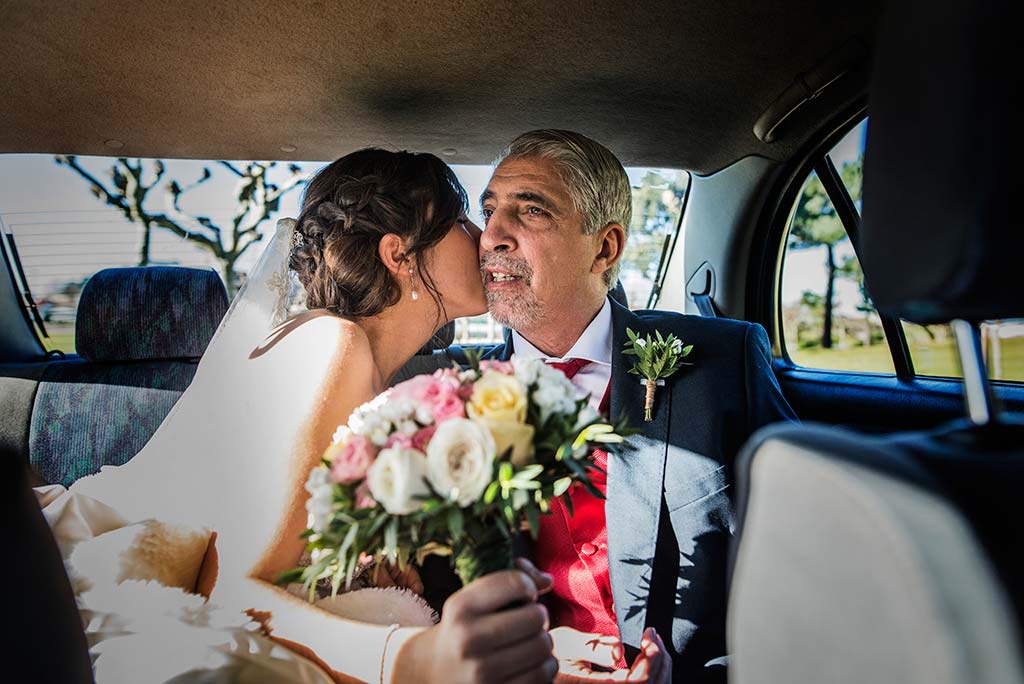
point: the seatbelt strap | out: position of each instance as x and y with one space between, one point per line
706 305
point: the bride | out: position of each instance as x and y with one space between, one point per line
386 255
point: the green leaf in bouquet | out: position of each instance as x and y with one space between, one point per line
455 522
350 571
505 473
564 453
567 500
403 557
528 473
350 537
594 491
473 356
378 522
491 492
562 485
510 513
533 520
289 576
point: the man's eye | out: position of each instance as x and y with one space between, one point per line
486 214
536 211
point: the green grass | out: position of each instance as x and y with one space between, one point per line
62 337
934 358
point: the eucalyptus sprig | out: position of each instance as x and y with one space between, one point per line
657 358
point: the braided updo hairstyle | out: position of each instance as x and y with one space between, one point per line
350 205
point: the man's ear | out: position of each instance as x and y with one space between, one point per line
393 255
612 242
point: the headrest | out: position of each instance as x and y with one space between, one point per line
942 165
441 340
145 313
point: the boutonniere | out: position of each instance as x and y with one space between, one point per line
657 358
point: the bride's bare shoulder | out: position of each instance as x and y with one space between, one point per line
317 336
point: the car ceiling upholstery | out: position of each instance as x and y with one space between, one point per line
661 83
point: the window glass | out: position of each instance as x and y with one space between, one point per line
72 216
828 319
933 350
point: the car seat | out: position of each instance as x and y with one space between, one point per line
139 335
896 558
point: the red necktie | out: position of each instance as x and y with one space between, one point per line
574 366
569 368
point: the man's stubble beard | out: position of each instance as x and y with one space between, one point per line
518 313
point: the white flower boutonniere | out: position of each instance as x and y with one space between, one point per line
657 358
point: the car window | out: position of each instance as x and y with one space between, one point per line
828 318
933 349
70 216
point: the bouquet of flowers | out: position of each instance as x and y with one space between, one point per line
453 463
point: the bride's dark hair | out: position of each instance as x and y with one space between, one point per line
354 202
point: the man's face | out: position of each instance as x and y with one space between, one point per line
536 261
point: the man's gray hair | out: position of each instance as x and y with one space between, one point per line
594 178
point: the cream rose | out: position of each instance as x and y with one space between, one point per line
396 478
510 434
460 460
497 396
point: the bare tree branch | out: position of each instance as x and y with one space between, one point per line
231 167
101 190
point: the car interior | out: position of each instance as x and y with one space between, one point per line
877 540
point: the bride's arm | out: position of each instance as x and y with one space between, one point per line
479 639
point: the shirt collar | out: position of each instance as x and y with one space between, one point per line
595 344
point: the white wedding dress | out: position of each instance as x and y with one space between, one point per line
197 474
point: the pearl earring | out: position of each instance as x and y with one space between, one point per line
412 284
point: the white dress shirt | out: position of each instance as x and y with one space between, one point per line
594 345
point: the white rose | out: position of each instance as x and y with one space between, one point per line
396 478
527 369
341 435
424 416
320 504
553 398
460 460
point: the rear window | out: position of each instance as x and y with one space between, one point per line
73 216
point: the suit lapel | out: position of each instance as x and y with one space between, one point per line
635 482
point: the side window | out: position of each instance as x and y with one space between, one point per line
828 319
73 216
934 352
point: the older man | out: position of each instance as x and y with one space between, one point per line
557 212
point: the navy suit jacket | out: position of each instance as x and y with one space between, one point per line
669 509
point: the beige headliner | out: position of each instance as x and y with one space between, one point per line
662 83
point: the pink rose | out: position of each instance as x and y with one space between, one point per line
499 366
420 439
399 439
353 460
439 392
363 497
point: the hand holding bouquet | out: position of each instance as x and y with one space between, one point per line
453 463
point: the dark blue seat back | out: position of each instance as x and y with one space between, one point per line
139 334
